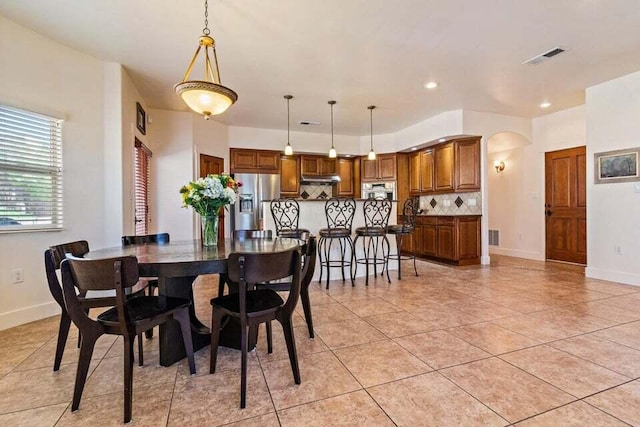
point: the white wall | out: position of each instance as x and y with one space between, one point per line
613 112
38 74
444 124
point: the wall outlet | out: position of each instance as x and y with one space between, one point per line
471 202
618 250
17 275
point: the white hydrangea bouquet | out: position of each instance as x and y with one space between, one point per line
207 196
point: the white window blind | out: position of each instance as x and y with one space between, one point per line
143 155
30 170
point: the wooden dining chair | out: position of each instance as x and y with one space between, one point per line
256 306
52 259
130 316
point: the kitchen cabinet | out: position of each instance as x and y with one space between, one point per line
443 160
345 188
421 172
467 165
318 165
414 173
383 168
254 161
452 239
289 176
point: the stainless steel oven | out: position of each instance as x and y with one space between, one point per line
379 190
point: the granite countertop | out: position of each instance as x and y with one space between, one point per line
460 214
324 200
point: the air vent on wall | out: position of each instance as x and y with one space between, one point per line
544 56
308 123
494 237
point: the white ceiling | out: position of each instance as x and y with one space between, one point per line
358 52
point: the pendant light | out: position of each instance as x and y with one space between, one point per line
207 97
332 151
288 149
372 154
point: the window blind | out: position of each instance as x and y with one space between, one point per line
141 183
30 170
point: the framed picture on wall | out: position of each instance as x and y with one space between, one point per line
141 119
617 166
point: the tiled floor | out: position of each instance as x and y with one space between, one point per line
520 342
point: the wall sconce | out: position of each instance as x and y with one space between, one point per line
499 165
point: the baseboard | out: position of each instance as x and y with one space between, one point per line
518 253
613 276
28 314
485 260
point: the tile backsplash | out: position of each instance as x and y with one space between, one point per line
452 204
316 191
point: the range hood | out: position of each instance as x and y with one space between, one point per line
319 179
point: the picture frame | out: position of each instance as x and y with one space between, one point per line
141 119
617 166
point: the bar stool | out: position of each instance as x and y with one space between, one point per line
374 233
409 211
286 214
339 213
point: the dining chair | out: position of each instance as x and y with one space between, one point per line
256 306
129 317
286 216
339 213
52 259
374 237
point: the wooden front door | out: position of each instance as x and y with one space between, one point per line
566 205
214 165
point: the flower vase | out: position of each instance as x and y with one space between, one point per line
209 230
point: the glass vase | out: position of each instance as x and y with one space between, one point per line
209 230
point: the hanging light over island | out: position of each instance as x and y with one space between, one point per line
372 154
288 149
332 151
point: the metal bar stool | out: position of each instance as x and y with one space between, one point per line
409 212
339 213
374 237
286 214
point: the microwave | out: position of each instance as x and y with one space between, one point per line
379 190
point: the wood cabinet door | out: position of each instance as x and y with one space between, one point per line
345 170
387 167
327 166
443 160
369 169
426 171
468 237
310 165
243 159
414 173
429 240
289 176
467 165
214 165
445 247
268 161
418 235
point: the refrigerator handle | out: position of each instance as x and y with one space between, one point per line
259 201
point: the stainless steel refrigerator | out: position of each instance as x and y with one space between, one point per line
248 211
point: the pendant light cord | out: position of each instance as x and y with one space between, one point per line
288 122
371 127
331 125
206 30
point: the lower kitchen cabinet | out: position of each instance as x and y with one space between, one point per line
452 239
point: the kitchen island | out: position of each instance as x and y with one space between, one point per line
313 219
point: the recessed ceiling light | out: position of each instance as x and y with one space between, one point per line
347 155
414 148
545 104
442 140
431 85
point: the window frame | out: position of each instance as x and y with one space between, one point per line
141 227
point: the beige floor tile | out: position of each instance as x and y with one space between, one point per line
531 327
484 311
616 357
37 387
431 399
380 362
268 420
215 399
304 344
148 345
442 317
510 392
347 333
572 322
322 375
519 303
623 402
397 324
599 309
492 338
565 371
440 349
370 306
626 302
628 334
327 313
351 409
228 358
150 408
46 416
577 414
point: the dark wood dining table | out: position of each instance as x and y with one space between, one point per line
176 265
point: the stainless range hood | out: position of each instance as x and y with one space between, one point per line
320 179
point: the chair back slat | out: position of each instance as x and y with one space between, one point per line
77 249
261 267
252 234
286 214
339 212
376 212
98 275
409 212
161 238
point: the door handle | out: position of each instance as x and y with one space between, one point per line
548 212
547 205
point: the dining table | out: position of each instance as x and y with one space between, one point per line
176 265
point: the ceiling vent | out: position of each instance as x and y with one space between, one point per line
544 56
308 123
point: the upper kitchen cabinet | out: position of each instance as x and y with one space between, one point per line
383 168
289 176
414 173
318 165
443 160
467 164
254 161
421 172
345 188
